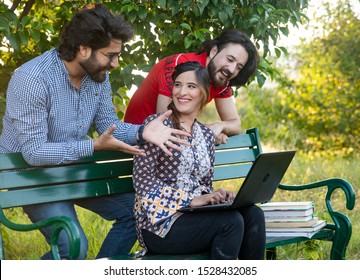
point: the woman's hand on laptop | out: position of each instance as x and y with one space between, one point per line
217 197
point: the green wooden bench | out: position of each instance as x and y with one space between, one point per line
107 173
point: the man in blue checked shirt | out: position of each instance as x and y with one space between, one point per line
53 100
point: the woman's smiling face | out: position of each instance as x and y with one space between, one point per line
186 94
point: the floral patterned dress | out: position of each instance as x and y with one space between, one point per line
164 184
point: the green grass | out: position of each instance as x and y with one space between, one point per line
304 169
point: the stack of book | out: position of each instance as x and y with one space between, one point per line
291 219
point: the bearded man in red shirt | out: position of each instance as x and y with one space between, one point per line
231 60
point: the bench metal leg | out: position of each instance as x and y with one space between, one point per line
342 236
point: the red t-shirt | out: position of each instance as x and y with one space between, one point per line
158 81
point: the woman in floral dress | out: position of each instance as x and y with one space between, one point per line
164 184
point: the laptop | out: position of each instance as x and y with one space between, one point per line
259 185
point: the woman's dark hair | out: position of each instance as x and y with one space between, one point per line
94 26
236 37
203 80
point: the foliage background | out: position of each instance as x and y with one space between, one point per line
316 108
314 103
163 27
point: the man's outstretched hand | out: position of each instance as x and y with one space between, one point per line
107 141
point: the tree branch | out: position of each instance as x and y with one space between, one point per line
15 4
27 8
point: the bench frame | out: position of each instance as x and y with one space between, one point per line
107 173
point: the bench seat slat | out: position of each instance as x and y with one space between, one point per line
272 242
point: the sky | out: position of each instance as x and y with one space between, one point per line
315 9
306 31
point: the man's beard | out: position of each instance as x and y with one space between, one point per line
93 69
213 77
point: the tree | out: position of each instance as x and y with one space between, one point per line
28 28
319 109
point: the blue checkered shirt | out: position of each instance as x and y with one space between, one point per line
47 119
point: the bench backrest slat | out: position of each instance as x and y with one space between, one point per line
65 192
16 161
226 157
231 172
65 174
103 173
240 141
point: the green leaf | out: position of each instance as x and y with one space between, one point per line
260 78
175 8
24 37
199 36
260 9
10 16
142 13
284 50
132 16
14 41
229 10
35 34
186 26
188 42
277 52
25 21
223 16
187 3
161 3
254 19
203 5
138 80
4 26
120 115
284 30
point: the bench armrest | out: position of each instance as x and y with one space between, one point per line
342 226
58 224
332 184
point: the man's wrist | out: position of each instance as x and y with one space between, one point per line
140 138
